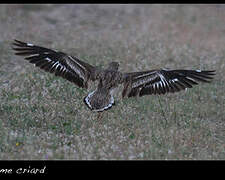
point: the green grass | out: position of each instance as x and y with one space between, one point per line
44 117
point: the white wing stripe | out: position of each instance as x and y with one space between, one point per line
157 84
163 80
56 63
62 68
76 62
161 83
48 59
190 78
154 86
57 66
77 70
33 55
29 44
174 80
143 75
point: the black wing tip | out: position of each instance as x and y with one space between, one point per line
206 75
18 43
211 72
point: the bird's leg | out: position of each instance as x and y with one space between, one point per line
100 115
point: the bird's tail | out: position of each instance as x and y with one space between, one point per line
99 100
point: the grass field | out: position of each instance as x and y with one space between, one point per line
44 117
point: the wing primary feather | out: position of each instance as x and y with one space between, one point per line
59 63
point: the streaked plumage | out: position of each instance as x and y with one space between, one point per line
158 81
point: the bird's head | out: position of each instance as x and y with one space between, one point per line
113 66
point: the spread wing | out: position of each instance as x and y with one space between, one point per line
162 81
59 63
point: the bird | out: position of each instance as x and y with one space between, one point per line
135 84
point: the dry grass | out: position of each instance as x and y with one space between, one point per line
43 116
